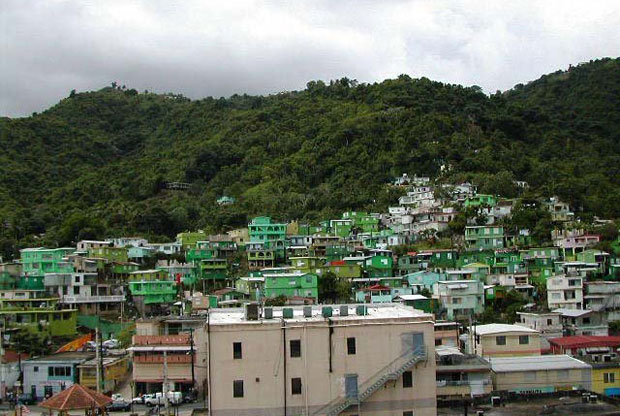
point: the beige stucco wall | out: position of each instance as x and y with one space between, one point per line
543 379
262 367
488 347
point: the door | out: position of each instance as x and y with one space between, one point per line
350 386
412 340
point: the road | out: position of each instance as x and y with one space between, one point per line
185 409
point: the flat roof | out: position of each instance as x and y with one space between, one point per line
228 316
573 313
536 363
65 356
490 329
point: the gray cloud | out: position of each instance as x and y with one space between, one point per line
200 48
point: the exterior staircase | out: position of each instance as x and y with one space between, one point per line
393 371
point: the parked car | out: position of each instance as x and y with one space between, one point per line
118 397
189 397
138 400
26 398
118 406
174 397
111 343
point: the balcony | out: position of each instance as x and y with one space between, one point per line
93 299
159 359
463 388
181 339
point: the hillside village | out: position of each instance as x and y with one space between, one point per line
448 291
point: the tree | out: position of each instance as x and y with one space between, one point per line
334 289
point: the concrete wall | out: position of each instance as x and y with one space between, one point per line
542 380
262 367
488 345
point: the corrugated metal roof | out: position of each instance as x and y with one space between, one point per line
586 341
536 363
490 329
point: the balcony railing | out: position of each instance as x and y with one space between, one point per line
158 359
181 339
93 299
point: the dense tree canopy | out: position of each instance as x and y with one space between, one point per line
96 164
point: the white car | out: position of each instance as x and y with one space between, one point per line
111 343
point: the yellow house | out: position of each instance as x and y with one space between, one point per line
115 370
605 375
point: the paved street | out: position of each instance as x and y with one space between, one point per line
183 410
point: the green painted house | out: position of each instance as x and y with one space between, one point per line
484 237
480 200
38 261
117 254
152 292
38 315
292 284
599 257
379 264
188 239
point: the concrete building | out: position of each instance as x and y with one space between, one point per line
322 360
549 324
501 340
565 292
460 298
605 374
447 334
177 343
115 368
50 374
584 322
541 374
582 345
461 376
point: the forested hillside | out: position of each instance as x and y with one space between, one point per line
94 165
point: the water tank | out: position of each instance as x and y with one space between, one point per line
344 310
251 311
308 311
287 313
268 313
326 311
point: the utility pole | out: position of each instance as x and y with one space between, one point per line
97 359
165 385
191 353
2 380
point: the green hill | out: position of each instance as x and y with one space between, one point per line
95 164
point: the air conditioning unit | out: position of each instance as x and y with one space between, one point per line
251 311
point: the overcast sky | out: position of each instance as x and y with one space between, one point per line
218 48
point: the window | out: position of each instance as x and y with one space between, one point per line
524 339
562 374
438 341
35 369
237 354
609 377
295 348
76 290
529 376
408 413
77 279
407 379
50 371
238 388
296 385
500 340
586 321
456 301
549 321
351 346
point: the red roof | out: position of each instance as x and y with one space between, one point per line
376 287
338 263
11 356
76 397
586 341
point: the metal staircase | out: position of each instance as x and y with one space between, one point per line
393 371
